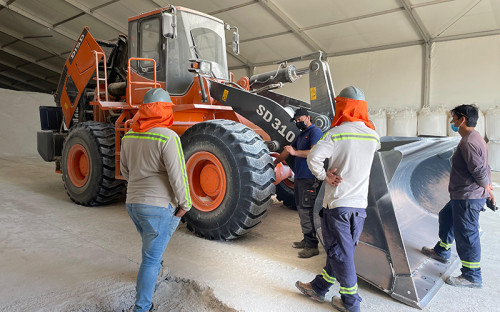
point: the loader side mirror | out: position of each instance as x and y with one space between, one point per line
236 38
169 21
236 42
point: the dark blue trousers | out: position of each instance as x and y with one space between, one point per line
341 228
459 220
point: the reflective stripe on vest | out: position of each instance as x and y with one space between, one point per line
355 136
146 135
183 169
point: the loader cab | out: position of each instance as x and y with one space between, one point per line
198 36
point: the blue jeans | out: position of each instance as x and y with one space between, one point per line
459 221
156 225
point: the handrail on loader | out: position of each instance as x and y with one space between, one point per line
154 84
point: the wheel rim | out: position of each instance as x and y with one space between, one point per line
207 180
78 165
288 183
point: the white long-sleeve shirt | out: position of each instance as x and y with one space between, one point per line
350 148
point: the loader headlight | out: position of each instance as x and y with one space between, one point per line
200 66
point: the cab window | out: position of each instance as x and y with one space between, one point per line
150 31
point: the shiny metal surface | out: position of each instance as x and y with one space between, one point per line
408 187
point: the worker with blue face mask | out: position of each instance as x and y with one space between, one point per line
469 188
305 185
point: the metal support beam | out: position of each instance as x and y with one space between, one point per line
68 19
458 17
119 26
266 36
10 43
4 86
352 19
426 77
377 48
38 20
20 85
104 5
30 73
19 37
429 3
31 83
424 35
468 35
13 86
416 21
289 23
327 24
52 56
233 7
29 58
160 4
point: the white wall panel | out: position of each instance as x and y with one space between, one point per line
389 78
466 71
20 108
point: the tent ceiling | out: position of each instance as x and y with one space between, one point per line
37 35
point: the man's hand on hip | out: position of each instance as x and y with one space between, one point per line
180 212
332 178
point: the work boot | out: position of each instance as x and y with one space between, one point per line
338 304
301 244
308 291
163 274
461 281
429 252
308 252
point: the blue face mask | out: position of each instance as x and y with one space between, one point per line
455 128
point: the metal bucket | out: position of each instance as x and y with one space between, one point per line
408 187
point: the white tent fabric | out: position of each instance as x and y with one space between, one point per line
466 71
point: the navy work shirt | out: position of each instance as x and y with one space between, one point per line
305 141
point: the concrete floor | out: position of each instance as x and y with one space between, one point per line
58 256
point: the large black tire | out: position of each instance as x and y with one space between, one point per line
96 186
249 172
285 194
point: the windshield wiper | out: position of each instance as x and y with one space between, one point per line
195 48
